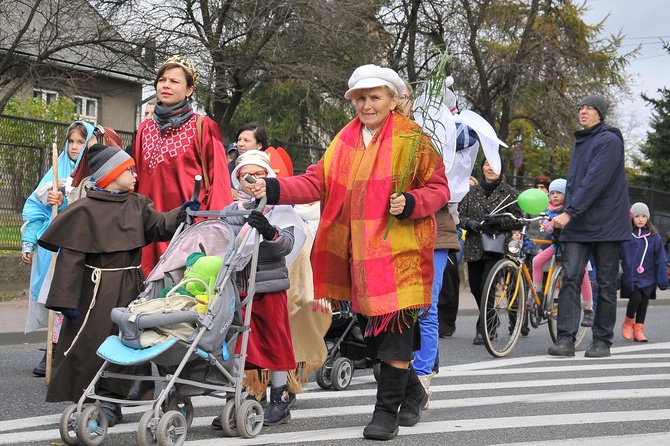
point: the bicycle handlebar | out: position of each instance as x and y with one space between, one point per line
542 216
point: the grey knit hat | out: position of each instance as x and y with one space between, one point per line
597 102
107 163
639 208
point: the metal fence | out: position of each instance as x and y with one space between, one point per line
25 155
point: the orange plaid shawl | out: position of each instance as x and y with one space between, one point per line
381 278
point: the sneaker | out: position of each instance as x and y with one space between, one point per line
113 412
589 316
597 349
562 347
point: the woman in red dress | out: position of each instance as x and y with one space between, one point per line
170 150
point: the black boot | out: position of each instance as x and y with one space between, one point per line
415 399
390 394
278 410
41 369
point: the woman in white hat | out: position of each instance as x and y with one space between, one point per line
379 182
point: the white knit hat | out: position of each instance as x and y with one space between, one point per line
371 76
256 157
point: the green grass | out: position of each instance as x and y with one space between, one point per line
10 238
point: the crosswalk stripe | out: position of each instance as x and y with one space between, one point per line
437 427
564 379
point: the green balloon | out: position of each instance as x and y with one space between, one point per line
533 201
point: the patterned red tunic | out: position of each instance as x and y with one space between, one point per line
166 165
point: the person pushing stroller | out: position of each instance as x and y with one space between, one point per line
98 268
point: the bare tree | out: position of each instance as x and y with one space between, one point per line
239 45
521 64
43 39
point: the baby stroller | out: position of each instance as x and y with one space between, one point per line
202 363
345 345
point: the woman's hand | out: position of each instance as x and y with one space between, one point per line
397 204
259 188
55 198
26 258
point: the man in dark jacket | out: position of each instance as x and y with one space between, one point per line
594 222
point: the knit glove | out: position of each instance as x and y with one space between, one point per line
548 228
193 205
528 246
71 314
257 220
473 225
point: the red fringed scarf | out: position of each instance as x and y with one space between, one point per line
385 279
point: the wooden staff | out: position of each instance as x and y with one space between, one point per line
54 212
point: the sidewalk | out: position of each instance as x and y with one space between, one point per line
13 316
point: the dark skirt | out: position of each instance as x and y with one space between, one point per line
397 342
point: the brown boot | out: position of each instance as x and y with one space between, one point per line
627 328
638 333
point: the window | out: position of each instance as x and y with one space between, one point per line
86 108
47 96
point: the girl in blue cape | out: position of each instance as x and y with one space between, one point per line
37 218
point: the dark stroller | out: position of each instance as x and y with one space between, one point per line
346 347
202 363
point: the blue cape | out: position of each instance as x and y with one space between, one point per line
34 210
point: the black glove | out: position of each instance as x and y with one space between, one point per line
473 225
493 222
257 220
71 314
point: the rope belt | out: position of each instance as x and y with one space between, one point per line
96 276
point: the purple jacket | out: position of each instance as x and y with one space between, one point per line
643 270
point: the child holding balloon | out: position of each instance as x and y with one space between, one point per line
555 207
643 260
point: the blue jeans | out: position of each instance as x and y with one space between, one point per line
424 358
606 263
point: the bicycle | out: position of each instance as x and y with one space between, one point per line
507 292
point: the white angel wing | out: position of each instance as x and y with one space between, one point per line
487 136
434 116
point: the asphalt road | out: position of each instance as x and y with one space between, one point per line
526 398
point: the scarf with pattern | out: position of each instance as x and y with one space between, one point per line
174 116
385 279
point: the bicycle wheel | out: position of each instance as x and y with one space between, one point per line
502 309
551 304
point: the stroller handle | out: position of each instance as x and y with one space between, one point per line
196 187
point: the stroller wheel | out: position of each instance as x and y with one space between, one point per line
171 430
146 430
250 419
183 405
92 426
324 373
68 426
343 371
376 371
228 423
